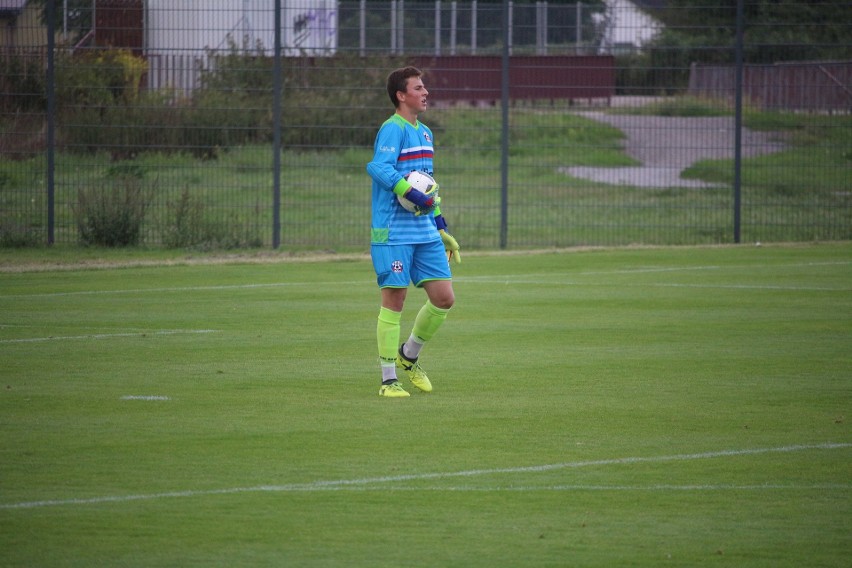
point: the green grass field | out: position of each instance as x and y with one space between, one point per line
613 407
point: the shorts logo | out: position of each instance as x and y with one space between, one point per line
396 266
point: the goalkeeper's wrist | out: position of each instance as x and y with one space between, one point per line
401 187
440 223
419 198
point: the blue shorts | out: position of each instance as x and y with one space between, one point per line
397 266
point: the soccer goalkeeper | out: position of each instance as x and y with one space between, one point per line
407 247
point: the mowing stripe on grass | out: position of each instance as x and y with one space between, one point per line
507 279
362 483
178 289
108 335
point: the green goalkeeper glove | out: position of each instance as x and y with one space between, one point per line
450 243
452 246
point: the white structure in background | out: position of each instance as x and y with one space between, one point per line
626 26
179 36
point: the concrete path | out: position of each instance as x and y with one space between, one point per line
668 145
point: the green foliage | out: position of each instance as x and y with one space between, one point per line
344 94
79 16
111 214
14 234
233 106
22 211
23 135
188 227
699 31
22 84
335 102
97 79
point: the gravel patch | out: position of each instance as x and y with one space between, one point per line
668 145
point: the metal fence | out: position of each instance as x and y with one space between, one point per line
228 123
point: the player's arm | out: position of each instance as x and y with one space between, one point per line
382 168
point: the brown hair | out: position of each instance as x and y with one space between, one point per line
398 81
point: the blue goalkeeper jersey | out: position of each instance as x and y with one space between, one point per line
400 148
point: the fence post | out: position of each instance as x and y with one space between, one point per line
276 135
541 28
362 28
738 123
51 123
504 150
473 27
454 14
578 28
400 27
437 28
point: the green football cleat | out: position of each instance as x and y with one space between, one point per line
393 390
415 372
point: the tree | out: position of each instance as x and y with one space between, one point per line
73 16
774 30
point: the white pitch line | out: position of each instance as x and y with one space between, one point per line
362 483
748 287
650 488
575 283
107 335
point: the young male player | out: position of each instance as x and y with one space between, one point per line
407 247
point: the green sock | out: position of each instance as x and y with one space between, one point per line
387 335
427 322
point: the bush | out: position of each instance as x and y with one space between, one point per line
112 214
22 82
101 108
98 79
188 228
15 235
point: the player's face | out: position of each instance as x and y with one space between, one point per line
415 95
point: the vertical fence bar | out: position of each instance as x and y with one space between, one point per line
578 32
400 27
437 28
393 26
508 23
51 123
541 28
276 135
362 28
738 123
454 14
473 27
504 135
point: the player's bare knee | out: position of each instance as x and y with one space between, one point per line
445 301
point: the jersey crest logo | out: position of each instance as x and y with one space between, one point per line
396 266
427 137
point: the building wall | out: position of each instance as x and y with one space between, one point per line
24 32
